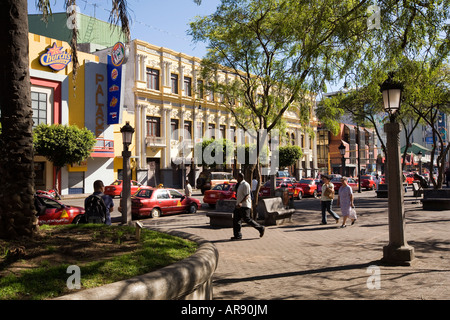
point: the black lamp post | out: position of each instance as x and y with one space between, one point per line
397 252
342 152
127 136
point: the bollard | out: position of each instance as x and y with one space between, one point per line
139 227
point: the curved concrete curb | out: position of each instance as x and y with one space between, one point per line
188 279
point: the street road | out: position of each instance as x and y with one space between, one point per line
307 203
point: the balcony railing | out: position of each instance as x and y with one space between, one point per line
103 148
154 141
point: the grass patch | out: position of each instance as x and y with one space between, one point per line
37 268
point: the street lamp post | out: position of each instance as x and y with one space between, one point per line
127 135
397 252
342 152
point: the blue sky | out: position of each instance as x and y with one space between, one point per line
162 23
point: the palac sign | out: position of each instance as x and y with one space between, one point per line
55 58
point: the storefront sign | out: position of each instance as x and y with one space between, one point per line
55 58
118 54
114 87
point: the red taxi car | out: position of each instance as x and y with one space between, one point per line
220 191
368 182
53 212
309 186
154 202
351 182
297 191
115 188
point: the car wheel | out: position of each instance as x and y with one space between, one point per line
78 219
192 208
156 213
300 196
315 194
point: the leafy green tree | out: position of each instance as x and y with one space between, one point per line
17 212
212 153
276 52
63 145
289 155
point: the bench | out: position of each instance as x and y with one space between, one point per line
223 216
274 211
436 199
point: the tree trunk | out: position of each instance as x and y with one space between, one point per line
17 212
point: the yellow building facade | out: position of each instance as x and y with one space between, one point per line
58 98
165 102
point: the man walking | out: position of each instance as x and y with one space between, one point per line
243 208
188 189
99 204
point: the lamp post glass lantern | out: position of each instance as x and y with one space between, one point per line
397 252
127 136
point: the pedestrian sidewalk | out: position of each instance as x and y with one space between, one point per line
305 260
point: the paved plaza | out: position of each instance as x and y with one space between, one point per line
305 260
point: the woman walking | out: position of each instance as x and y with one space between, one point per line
326 200
345 201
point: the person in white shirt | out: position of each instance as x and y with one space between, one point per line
254 186
243 209
188 189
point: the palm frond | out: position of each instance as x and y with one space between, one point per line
119 12
44 7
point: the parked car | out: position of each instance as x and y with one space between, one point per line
382 179
115 188
210 180
154 202
410 178
368 182
351 182
319 184
309 186
220 191
297 191
53 212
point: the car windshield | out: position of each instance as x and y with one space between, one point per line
116 183
223 187
366 177
49 203
334 180
221 176
305 181
144 193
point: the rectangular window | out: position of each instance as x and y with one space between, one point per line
174 129
152 79
39 106
222 129
200 89
233 135
212 130
211 94
188 86
188 130
154 126
174 82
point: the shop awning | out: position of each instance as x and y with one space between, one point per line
415 148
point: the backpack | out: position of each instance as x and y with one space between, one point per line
95 209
